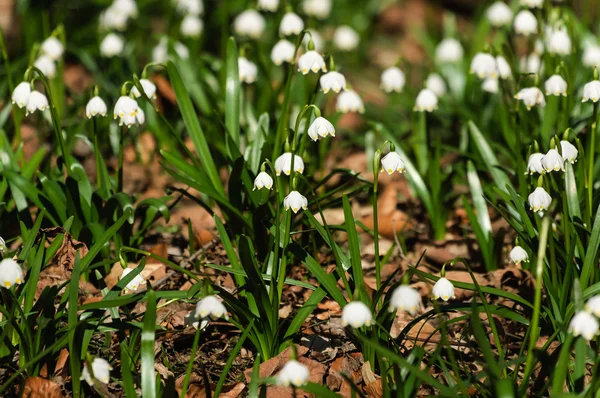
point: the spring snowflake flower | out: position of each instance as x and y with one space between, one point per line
436 83
556 85
499 14
569 151
291 24
112 45
293 373
160 52
284 164
149 89
534 164
531 64
45 64
135 283
443 289
111 19
531 96
249 24
126 7
190 7
525 23
532 3
36 101
128 112
295 201
490 85
263 180
357 315
584 325
539 200
349 101
210 307
20 94
392 80
53 48
346 38
311 61
392 162
426 101
559 42
503 68
518 255
553 161
484 65
191 26
332 81
3 248
449 50
247 70
593 305
268 5
317 8
321 128
405 298
591 91
283 51
101 370
95 107
591 56
11 273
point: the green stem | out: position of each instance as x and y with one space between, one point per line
281 123
188 371
120 166
376 230
591 155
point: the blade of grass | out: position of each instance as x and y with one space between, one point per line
148 336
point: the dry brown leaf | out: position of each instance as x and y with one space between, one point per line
37 387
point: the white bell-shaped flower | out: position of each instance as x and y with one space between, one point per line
45 64
283 51
332 81
518 255
591 91
311 61
499 14
559 42
443 289
531 96
191 26
112 19
20 94
101 370
190 7
210 307
317 8
490 85
268 5
128 112
36 101
593 305
531 64
149 89
449 50
556 85
539 200
569 151
346 38
584 325
532 3
426 101
349 101
436 83
263 180
291 24
53 48
135 283
392 162
321 128
503 68
247 70
284 164
249 24
525 23
293 373
405 298
126 7
591 56
534 164
11 273
393 80
553 161
95 107
295 201
356 314
112 45
484 65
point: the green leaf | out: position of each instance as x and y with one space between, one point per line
589 262
307 308
74 347
148 332
571 191
479 202
354 245
232 92
232 356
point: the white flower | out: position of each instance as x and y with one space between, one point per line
569 151
349 101
443 289
503 68
346 38
45 64
295 201
53 48
584 325
539 47
291 24
356 314
426 101
591 91
556 85
283 51
20 94
263 180
392 79
210 306
190 7
247 70
490 85
531 96
320 128
268 5
250 24
317 8
539 200
525 23
436 84
191 26
392 162
499 14
531 64
36 101
111 19
149 89
135 283
112 45
284 163
101 369
534 164
2 247
405 298
552 161
448 51
591 56
126 7
311 61
334 81
95 106
11 273
559 42
532 3
293 373
128 112
518 255
593 305
484 65
181 50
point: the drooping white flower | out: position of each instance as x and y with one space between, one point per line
149 89
569 151
333 81
321 128
436 83
311 61
534 164
128 112
449 50
317 8
405 298
531 63
112 19
532 3
268 5
591 56
349 101
210 307
490 85
191 26
291 24
499 14
503 68
356 314
263 180
295 201
556 85
484 65
36 101
135 283
531 96
392 80
247 70
293 373
112 45
190 7
95 107
101 370
591 91
593 305
426 101
443 289
45 64
584 325
539 200
283 51
552 161
53 48
392 162
346 38
20 94
559 42
126 7
249 24
11 273
525 23
518 255
284 164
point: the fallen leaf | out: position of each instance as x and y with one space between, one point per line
37 387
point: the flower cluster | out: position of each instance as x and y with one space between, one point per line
585 323
32 100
